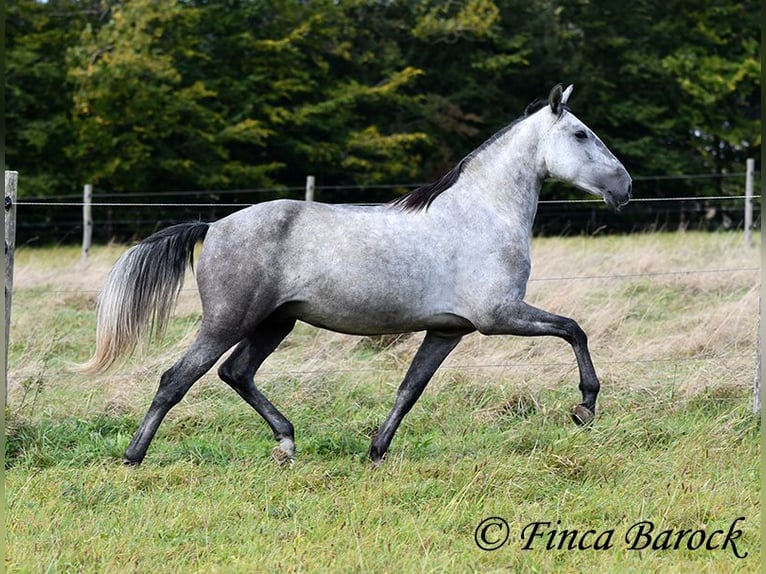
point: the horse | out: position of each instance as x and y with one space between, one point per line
449 258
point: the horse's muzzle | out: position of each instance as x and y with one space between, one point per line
619 189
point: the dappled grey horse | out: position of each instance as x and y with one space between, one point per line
450 258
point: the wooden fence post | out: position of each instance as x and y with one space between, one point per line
11 186
87 220
749 180
757 381
309 188
749 177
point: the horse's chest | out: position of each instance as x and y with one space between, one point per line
497 272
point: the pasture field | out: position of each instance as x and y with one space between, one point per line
671 320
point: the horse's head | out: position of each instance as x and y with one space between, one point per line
574 154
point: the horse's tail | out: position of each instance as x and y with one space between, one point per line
141 291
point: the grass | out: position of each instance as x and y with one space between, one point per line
674 441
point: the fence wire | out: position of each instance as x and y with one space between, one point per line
42 203
448 367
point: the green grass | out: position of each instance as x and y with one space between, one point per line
674 441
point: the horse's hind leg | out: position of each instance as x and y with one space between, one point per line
238 371
174 384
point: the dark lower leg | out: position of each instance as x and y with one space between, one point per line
589 383
430 355
174 384
525 320
239 371
161 405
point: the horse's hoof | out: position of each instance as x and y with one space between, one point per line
582 415
282 457
131 462
375 456
377 461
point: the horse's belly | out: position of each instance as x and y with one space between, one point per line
374 319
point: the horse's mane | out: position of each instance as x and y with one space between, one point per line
423 196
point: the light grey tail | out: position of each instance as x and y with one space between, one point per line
141 291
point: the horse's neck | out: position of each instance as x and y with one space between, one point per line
506 178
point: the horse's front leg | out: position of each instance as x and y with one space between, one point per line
519 318
433 350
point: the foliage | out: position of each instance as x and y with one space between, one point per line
146 96
720 70
131 105
38 98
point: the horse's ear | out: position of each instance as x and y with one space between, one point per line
554 99
567 93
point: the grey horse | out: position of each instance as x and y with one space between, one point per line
450 258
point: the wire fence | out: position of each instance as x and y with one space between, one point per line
294 189
127 216
122 204
706 202
564 366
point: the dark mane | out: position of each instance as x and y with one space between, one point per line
535 106
423 196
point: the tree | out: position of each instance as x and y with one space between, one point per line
471 54
140 124
718 72
38 121
241 95
142 96
331 91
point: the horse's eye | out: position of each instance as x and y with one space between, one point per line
581 135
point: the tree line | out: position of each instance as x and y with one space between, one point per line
143 96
